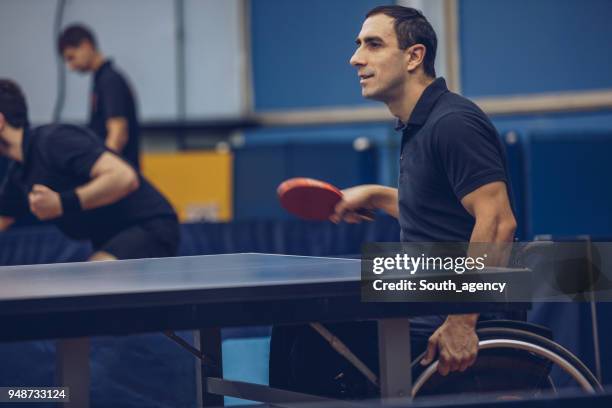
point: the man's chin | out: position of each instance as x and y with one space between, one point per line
369 94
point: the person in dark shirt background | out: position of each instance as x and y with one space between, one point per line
113 115
64 174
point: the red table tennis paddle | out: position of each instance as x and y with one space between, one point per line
311 199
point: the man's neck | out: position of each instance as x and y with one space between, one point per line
14 143
402 106
98 61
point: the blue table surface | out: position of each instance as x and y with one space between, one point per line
240 271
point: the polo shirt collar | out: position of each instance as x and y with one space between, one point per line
400 126
426 102
105 65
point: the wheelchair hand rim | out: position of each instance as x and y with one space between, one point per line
514 344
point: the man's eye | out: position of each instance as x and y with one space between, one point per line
374 45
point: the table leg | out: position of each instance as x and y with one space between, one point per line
210 345
394 359
72 370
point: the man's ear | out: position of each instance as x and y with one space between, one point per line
2 121
415 56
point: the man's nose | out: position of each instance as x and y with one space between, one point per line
357 60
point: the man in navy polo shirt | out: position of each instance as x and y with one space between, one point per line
112 113
453 187
65 174
453 183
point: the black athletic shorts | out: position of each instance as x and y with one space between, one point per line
154 238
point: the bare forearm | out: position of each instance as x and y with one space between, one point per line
5 222
106 189
493 230
491 239
494 237
386 199
116 134
116 141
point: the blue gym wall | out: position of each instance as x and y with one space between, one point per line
526 46
507 48
300 52
562 160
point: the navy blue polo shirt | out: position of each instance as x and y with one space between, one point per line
61 157
112 97
449 149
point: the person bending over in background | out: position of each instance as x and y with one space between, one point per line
453 187
112 104
65 174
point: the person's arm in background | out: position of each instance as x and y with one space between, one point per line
111 180
5 222
367 196
456 339
117 134
114 99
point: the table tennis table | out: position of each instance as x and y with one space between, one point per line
206 293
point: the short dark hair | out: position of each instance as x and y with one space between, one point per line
411 27
13 104
73 36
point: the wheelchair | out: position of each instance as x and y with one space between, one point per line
515 357
514 361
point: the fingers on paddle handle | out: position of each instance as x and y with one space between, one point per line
353 216
366 214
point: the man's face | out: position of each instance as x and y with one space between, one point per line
380 63
79 58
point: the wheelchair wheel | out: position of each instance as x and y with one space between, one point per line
513 361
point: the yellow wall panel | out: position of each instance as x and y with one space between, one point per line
198 184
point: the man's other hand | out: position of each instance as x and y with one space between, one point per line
456 342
